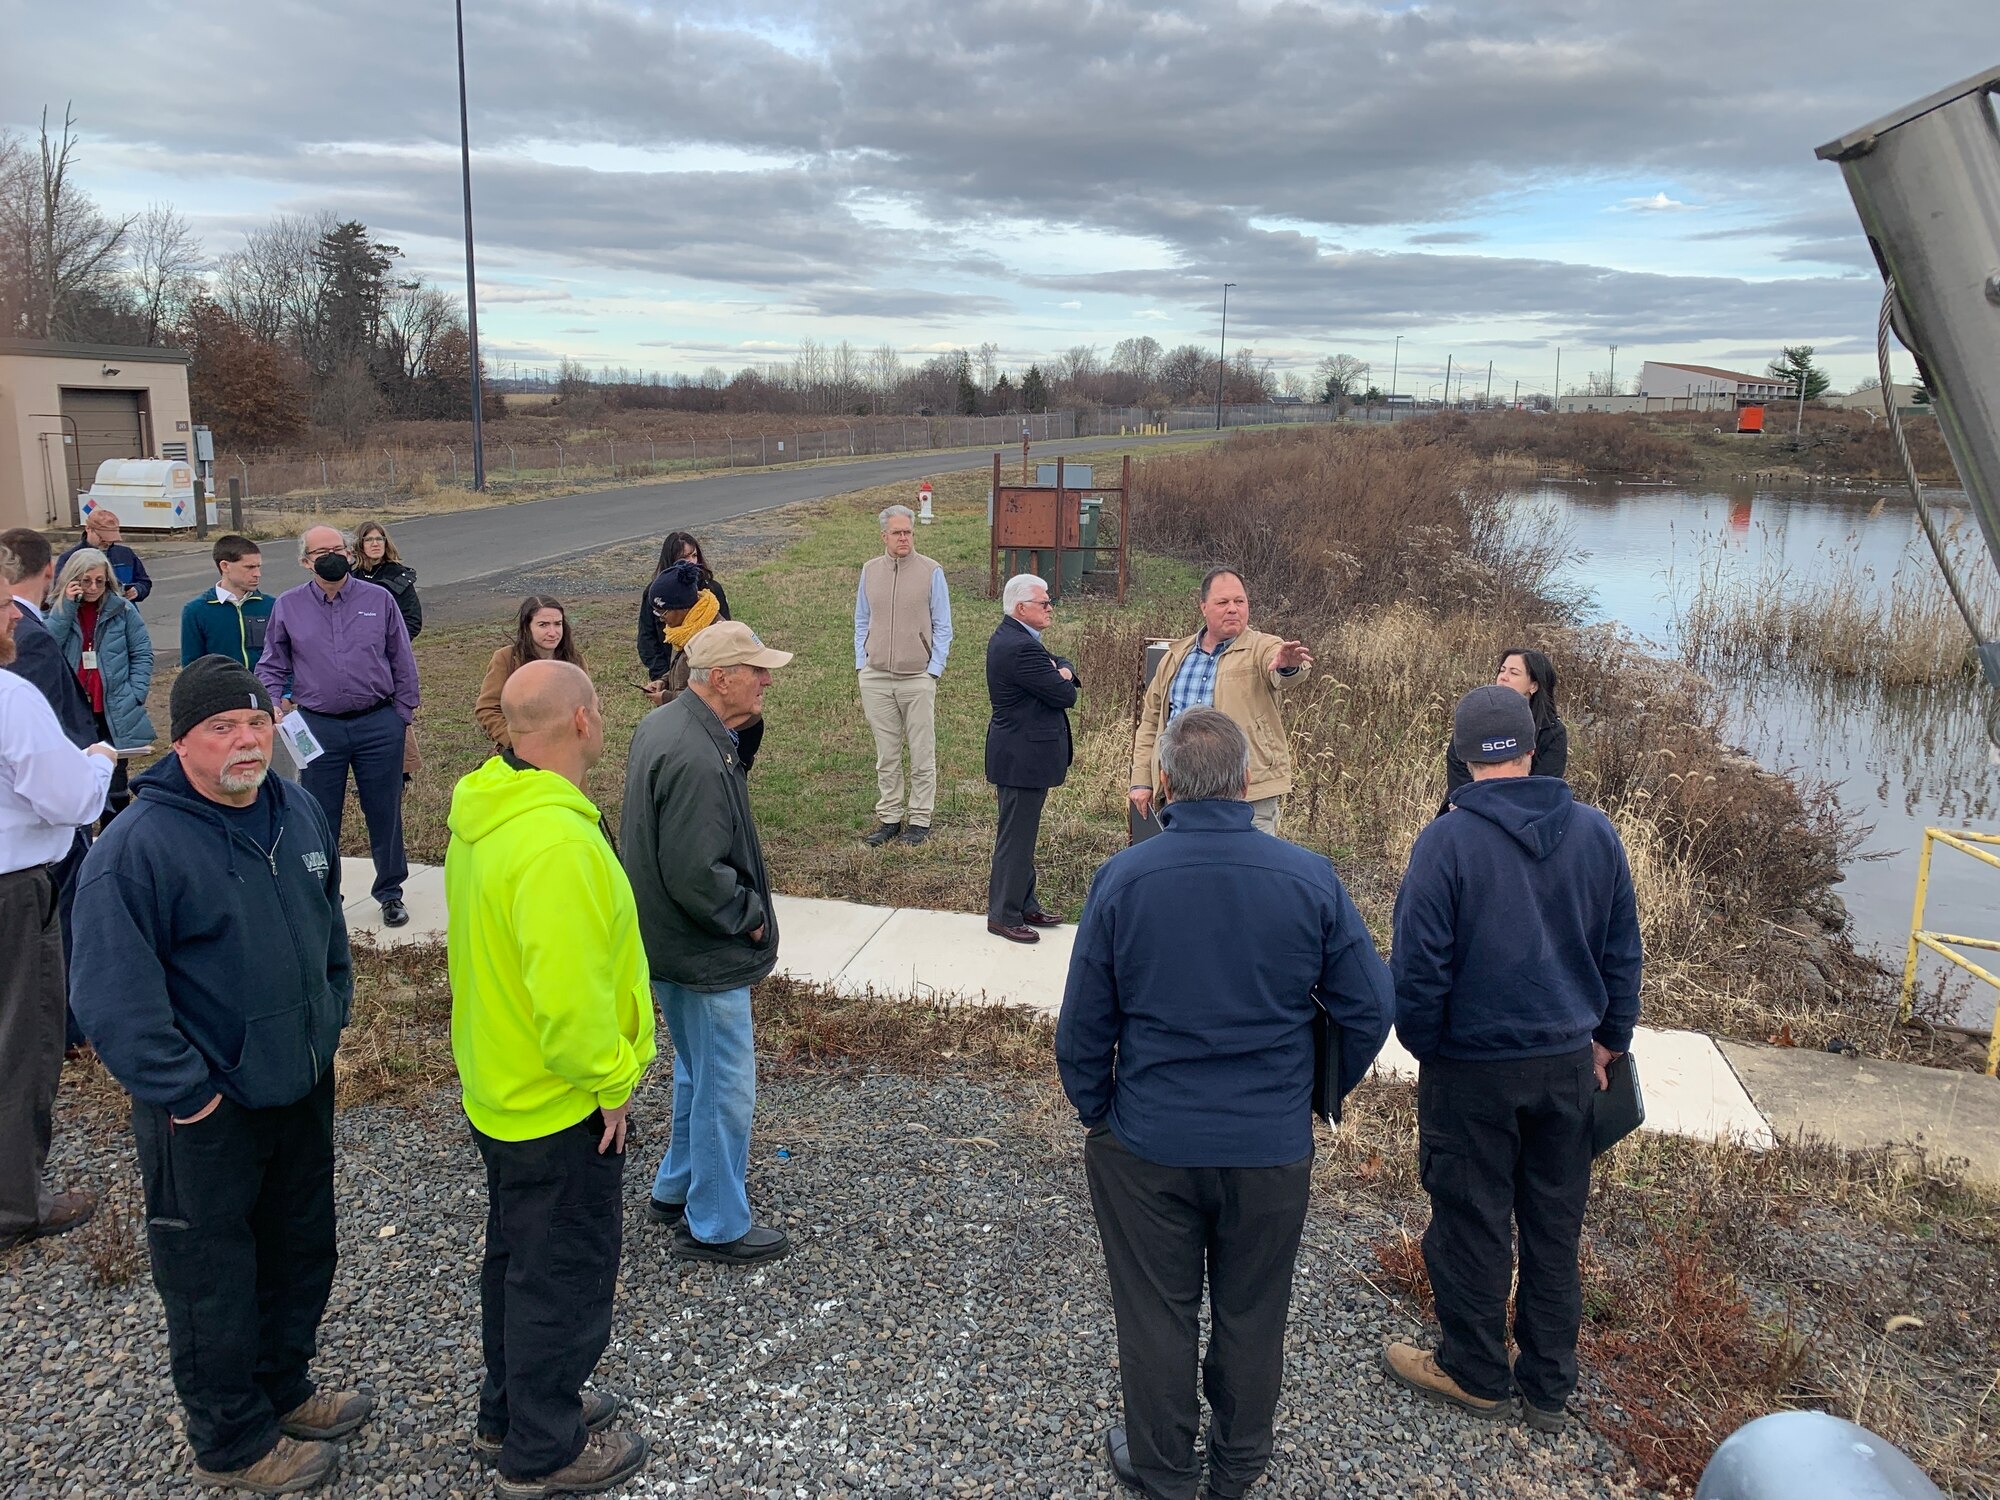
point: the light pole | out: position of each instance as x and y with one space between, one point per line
471 288
1614 370
1222 355
1395 359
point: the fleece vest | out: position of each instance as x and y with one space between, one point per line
899 613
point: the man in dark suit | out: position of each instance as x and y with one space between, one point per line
38 657
1027 751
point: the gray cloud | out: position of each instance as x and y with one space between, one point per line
1183 125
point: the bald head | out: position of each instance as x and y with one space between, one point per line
544 695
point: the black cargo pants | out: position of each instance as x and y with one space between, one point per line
554 1231
1504 1149
239 1220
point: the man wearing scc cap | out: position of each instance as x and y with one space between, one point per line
213 978
704 896
1516 964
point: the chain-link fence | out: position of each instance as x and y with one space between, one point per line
408 479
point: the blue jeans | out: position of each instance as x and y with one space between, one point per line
715 1094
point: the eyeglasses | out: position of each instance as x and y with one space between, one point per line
319 552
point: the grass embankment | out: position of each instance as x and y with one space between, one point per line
1833 445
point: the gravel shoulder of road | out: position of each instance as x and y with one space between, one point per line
943 1327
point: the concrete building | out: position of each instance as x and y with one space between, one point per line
66 408
1870 400
1604 403
1704 387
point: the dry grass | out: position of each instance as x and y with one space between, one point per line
397 1046
1834 618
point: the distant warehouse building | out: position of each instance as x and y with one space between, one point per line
1670 387
66 408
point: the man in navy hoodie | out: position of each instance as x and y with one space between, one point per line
1186 1045
1517 983
213 977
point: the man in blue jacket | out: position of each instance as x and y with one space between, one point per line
213 977
1186 1045
229 619
1517 965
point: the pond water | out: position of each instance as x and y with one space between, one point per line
1901 760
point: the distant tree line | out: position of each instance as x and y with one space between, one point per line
309 324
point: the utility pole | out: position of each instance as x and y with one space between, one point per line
1799 427
1517 395
1559 378
1447 379
1489 382
471 287
1222 355
1395 359
1614 370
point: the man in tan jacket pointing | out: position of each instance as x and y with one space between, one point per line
1230 667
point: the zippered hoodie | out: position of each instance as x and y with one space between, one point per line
1516 932
551 1009
206 965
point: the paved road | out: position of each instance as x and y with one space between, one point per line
455 549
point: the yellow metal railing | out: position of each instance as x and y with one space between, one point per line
1945 944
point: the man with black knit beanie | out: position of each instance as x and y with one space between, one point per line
213 977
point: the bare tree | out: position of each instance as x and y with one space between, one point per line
166 269
1139 357
885 374
989 364
844 374
272 285
62 252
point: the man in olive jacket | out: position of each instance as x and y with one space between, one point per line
704 898
1238 671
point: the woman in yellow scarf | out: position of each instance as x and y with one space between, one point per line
683 609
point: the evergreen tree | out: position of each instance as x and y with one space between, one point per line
1797 362
1034 390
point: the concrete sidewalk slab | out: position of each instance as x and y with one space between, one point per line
933 954
1860 1103
1689 1087
817 939
423 894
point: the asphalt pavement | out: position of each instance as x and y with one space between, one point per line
453 550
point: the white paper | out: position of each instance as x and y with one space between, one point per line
299 738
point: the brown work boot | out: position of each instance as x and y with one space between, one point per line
67 1211
599 1407
608 1459
1419 1370
288 1469
326 1415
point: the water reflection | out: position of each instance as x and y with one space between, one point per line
1900 759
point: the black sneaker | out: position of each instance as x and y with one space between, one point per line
884 833
659 1211
914 834
758 1245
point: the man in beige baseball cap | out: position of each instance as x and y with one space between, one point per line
697 870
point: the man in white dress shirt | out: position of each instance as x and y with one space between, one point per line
48 788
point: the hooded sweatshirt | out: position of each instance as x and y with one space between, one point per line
1516 932
551 1010
207 963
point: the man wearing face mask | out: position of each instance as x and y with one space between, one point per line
225 1040
341 644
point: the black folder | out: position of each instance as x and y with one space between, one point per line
1326 1062
1616 1111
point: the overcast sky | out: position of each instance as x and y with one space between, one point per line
669 186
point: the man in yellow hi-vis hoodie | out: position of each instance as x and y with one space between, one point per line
552 1029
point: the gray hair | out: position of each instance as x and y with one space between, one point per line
1205 756
890 512
699 674
346 539
82 561
1020 589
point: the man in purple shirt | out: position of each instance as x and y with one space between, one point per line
340 643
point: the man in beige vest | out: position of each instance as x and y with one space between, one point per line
1227 666
902 634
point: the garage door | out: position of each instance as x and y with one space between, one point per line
107 426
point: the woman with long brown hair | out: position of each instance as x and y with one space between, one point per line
541 633
377 561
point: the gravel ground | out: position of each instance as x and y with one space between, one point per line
943 1327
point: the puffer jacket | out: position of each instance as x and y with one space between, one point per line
124 660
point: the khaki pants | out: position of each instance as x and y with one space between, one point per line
902 711
1264 814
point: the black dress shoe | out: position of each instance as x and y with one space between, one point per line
1120 1454
759 1244
662 1212
1021 934
1041 919
883 834
395 914
914 835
